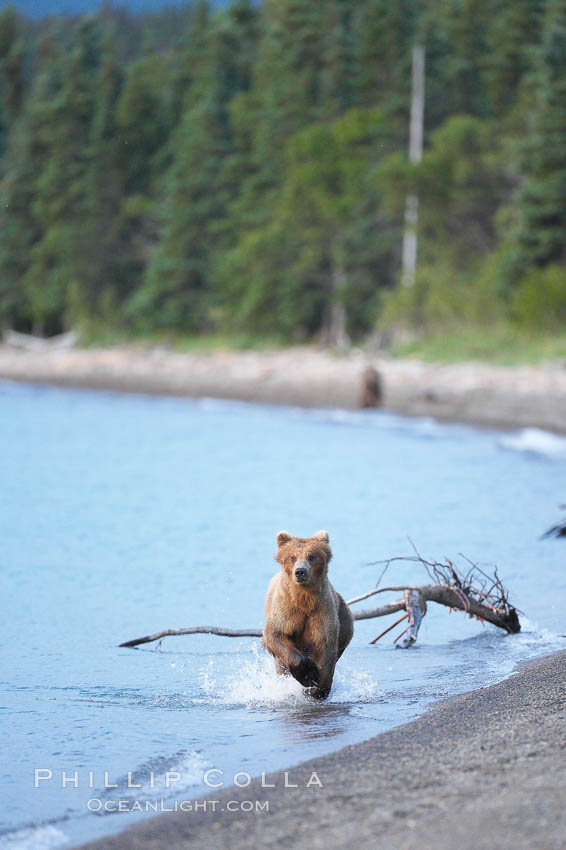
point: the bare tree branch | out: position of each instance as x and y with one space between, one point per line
194 630
373 592
388 629
382 611
475 592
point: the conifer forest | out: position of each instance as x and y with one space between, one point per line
245 168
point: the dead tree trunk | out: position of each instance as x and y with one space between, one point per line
476 593
507 620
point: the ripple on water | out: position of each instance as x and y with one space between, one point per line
34 838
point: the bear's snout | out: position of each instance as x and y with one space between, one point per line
302 573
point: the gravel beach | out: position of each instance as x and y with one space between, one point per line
482 770
489 396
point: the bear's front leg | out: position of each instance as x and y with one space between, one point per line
304 670
322 690
326 675
288 657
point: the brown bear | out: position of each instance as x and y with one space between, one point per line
307 623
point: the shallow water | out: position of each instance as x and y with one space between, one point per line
122 515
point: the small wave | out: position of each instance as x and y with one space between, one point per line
500 654
34 838
532 642
535 640
535 441
220 405
421 427
151 778
418 426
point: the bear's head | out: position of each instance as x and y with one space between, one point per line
304 559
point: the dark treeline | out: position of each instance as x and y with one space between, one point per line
244 169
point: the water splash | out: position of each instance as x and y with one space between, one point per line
254 683
352 685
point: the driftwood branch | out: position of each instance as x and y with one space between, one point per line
389 628
558 530
415 604
194 630
475 592
378 590
382 611
27 342
216 630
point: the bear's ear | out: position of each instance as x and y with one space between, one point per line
322 535
283 537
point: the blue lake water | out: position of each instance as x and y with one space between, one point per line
123 515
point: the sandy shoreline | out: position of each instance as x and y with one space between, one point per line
489 396
482 770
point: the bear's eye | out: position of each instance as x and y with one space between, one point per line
310 559
293 559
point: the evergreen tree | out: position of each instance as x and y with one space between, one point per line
285 92
455 35
142 120
104 266
337 81
190 60
541 200
11 78
21 227
177 291
61 205
143 124
301 273
384 37
513 30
